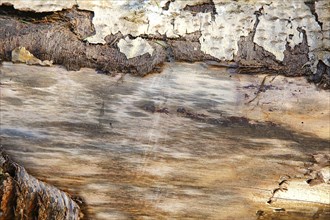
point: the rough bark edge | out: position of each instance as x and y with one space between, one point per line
25 197
56 36
67 29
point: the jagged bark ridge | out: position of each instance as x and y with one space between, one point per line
25 197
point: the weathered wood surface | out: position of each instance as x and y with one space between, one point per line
172 145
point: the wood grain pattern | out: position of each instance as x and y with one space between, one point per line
113 145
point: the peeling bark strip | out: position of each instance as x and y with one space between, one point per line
61 40
64 36
25 197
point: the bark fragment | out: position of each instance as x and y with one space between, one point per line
255 59
322 75
311 5
202 8
295 59
251 57
188 51
60 36
25 197
61 41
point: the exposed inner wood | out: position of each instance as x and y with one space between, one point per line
185 143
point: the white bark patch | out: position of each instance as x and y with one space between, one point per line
219 37
279 25
322 10
135 47
40 5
